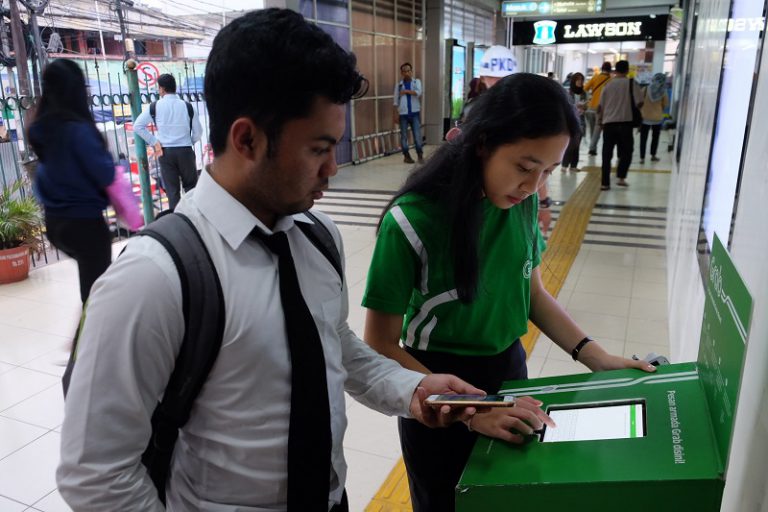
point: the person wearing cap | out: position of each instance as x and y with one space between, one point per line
595 85
408 111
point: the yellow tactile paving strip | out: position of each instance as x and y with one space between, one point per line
562 248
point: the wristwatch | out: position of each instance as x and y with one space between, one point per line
545 203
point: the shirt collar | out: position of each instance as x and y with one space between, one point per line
230 217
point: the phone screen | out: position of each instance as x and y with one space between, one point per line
595 422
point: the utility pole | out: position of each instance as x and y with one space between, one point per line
141 147
35 7
7 52
119 9
19 49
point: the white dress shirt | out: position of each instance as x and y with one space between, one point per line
401 100
232 454
172 124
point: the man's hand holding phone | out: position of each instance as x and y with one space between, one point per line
442 384
512 424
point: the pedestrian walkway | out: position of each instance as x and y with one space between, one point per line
615 288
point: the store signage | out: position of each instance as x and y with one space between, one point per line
586 30
548 8
545 32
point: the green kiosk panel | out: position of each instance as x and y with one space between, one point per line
626 440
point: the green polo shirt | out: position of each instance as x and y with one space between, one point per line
411 274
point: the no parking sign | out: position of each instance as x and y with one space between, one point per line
147 74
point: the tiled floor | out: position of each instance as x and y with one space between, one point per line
616 293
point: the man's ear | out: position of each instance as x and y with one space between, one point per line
248 140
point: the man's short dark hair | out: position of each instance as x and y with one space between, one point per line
406 65
270 66
167 82
622 67
606 67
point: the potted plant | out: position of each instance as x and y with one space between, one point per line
20 220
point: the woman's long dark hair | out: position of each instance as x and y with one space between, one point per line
64 98
520 106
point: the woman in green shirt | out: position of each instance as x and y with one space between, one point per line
455 273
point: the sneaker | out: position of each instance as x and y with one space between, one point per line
622 183
592 152
575 169
408 160
605 187
654 158
642 160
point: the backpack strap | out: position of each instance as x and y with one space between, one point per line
190 112
322 239
203 307
153 112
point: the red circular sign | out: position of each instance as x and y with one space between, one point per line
148 73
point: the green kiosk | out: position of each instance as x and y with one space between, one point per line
627 440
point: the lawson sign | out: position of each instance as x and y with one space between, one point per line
584 30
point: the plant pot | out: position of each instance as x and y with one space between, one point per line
14 264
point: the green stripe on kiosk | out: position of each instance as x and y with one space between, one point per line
627 440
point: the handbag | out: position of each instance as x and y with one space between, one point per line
637 117
125 203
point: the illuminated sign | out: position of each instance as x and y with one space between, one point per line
545 32
591 30
548 8
588 30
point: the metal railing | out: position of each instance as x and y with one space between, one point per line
110 106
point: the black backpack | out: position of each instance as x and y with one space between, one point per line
204 317
190 111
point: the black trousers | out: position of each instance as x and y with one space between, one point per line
571 157
87 241
435 458
343 506
655 130
620 136
178 166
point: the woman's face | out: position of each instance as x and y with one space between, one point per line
579 81
515 171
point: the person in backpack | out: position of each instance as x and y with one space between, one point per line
616 117
265 431
178 129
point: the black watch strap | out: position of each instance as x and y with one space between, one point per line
577 348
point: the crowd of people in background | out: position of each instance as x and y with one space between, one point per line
609 105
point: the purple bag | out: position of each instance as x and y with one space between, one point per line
125 203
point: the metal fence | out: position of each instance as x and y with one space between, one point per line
111 108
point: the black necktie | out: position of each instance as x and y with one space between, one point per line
309 434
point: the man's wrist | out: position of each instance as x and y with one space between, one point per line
545 203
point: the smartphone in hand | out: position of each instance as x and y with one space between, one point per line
471 400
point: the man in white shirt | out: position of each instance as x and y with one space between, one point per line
178 129
615 114
274 153
407 111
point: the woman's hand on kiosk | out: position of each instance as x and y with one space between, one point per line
594 357
525 417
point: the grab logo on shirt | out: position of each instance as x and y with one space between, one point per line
527 269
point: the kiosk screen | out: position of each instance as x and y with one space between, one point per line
590 422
